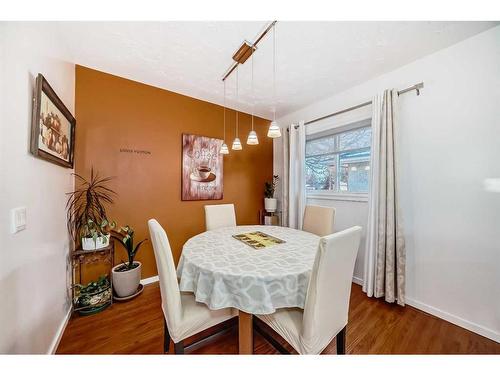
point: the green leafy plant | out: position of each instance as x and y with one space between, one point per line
97 230
93 293
270 187
85 208
93 287
126 237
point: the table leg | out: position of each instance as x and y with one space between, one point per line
245 333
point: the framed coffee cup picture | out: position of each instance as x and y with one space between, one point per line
52 126
201 168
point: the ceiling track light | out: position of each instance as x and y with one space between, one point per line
224 149
244 52
236 143
274 130
252 136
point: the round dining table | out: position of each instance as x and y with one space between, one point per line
224 272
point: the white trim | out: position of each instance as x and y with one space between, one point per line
352 197
357 280
461 322
150 280
59 334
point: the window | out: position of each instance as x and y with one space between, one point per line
339 162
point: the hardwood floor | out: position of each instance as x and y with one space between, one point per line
375 327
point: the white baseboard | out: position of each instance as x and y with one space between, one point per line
150 280
468 325
357 280
59 333
461 322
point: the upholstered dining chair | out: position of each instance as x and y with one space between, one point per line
183 316
219 216
318 220
325 313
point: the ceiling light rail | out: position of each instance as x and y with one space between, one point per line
246 50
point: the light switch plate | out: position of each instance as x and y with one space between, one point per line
18 219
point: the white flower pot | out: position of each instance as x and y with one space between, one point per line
125 283
99 243
270 204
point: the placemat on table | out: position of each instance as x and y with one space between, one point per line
258 240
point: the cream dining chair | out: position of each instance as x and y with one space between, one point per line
318 220
219 216
183 316
324 317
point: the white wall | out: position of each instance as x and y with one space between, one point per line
33 266
450 142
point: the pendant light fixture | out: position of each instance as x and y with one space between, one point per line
224 149
252 136
274 130
237 143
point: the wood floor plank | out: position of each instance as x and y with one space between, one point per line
375 327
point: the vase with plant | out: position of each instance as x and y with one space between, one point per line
127 275
93 297
86 212
270 203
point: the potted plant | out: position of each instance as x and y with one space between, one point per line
96 235
270 203
127 276
93 297
86 213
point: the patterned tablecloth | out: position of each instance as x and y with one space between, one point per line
224 272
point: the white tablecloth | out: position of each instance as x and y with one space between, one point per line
224 272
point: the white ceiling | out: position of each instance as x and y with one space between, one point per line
314 59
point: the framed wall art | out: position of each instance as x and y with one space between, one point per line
52 126
202 177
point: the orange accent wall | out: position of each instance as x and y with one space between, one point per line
114 113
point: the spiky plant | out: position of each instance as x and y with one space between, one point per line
270 187
85 208
126 236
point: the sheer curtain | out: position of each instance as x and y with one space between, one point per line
294 178
385 255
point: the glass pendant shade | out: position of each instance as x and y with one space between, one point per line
274 130
252 138
237 144
224 149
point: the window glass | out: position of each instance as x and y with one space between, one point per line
340 162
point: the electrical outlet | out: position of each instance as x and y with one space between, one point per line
18 219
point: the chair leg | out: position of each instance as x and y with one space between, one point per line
275 344
166 337
179 347
341 341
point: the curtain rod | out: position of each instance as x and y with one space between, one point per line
415 87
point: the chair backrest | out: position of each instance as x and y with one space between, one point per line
169 287
327 301
319 220
219 216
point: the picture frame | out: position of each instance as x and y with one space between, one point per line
52 126
202 168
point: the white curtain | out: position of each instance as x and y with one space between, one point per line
285 157
385 255
294 188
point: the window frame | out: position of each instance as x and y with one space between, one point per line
334 195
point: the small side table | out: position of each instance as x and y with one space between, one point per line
80 258
270 218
